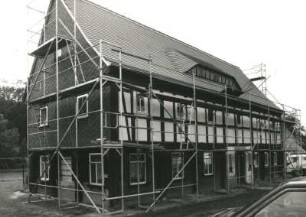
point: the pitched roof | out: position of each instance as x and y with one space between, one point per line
171 58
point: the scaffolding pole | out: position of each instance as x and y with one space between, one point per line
151 127
196 133
101 127
57 102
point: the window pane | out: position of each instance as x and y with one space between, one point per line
133 157
133 173
93 173
141 157
99 173
142 172
95 158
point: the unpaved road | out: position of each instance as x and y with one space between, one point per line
13 203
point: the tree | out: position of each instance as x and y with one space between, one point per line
9 143
13 118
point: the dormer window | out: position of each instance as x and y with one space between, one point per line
214 76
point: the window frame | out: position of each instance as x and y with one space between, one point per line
46 121
211 158
44 178
182 174
239 120
90 164
137 162
140 107
82 115
210 113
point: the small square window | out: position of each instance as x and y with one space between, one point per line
43 116
82 106
177 165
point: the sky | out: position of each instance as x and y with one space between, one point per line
242 32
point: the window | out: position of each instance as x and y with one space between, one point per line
210 115
288 204
255 159
231 159
82 106
239 117
180 111
275 159
266 159
59 52
249 160
223 80
95 169
294 159
43 116
140 103
44 167
177 165
137 169
208 163
277 126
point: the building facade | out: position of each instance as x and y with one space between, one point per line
120 114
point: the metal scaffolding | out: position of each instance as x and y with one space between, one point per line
99 58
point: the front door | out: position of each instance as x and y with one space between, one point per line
220 169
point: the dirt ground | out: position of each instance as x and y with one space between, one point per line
13 203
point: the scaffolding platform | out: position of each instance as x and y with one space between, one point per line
50 45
